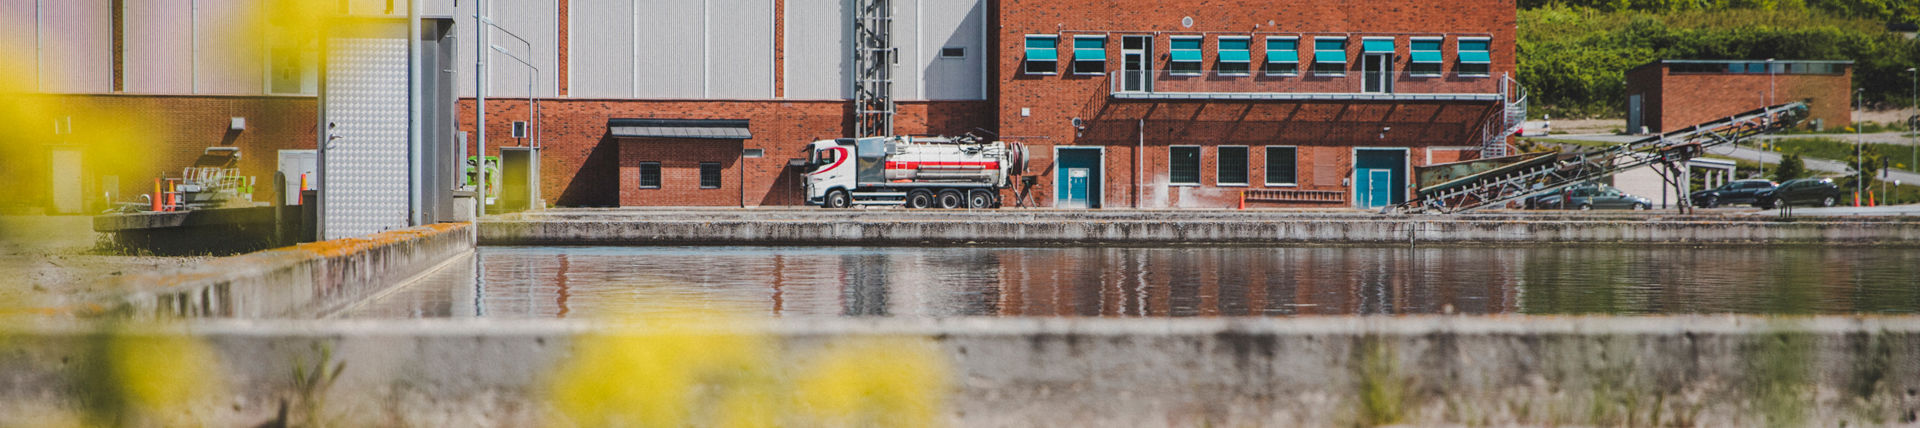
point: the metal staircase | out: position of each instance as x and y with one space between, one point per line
1513 115
873 58
1530 176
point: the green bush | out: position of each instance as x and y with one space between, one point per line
1574 56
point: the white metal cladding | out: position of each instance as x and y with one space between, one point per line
365 177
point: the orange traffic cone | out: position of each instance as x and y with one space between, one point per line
1243 200
1856 199
1870 201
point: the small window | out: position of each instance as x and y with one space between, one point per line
1426 58
1043 54
1281 166
709 175
1283 56
1475 56
1235 58
1183 165
1184 56
1329 56
753 153
953 52
1233 166
649 175
1089 54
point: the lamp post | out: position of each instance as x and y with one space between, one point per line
1860 103
1913 124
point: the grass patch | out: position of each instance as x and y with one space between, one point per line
1898 156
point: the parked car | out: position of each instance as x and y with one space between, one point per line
1589 197
1736 192
1804 191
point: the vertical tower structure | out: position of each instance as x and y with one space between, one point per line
873 57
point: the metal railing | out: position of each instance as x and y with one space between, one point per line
1302 81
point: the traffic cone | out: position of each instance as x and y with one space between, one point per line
1243 200
1870 201
1856 199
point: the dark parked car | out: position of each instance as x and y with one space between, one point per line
1805 191
1737 192
1591 196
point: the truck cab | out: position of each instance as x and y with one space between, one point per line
828 169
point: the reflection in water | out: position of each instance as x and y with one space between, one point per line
516 282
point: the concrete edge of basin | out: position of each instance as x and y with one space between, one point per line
298 281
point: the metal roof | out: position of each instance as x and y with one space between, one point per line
705 129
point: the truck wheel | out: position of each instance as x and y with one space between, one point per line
920 198
979 199
838 199
951 199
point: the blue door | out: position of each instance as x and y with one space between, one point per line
1379 177
1077 182
1378 188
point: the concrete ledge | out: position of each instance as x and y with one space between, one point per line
305 280
1478 371
746 227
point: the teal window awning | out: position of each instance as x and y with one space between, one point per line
1373 46
1089 49
1426 51
1234 50
1330 50
1283 50
1185 49
1043 48
1474 51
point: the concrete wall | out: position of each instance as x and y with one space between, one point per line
859 227
1686 371
300 281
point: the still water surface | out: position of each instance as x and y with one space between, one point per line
550 282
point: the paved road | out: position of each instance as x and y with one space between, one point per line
1762 156
1899 138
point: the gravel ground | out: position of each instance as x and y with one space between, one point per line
52 262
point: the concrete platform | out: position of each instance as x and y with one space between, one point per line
1172 227
1472 371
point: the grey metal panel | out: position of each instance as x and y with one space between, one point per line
18 37
538 22
159 37
231 57
365 169
76 48
602 44
670 59
741 40
906 29
950 23
817 49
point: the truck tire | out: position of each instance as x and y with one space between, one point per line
837 198
979 199
920 198
952 198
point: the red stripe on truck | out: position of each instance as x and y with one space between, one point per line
917 165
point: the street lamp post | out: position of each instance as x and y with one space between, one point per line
1913 124
1860 104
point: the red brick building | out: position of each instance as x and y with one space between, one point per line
1182 103
1670 94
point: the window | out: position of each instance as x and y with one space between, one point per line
1283 56
1089 54
1281 166
1474 56
709 175
1426 58
292 64
1043 54
1184 56
1330 56
649 175
753 153
1234 58
953 52
1233 166
1183 165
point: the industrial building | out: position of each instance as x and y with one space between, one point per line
1185 103
1666 95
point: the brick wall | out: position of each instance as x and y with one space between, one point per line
680 161
1038 109
162 135
581 165
1679 100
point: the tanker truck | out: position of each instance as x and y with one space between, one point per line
918 172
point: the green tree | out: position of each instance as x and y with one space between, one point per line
1791 167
